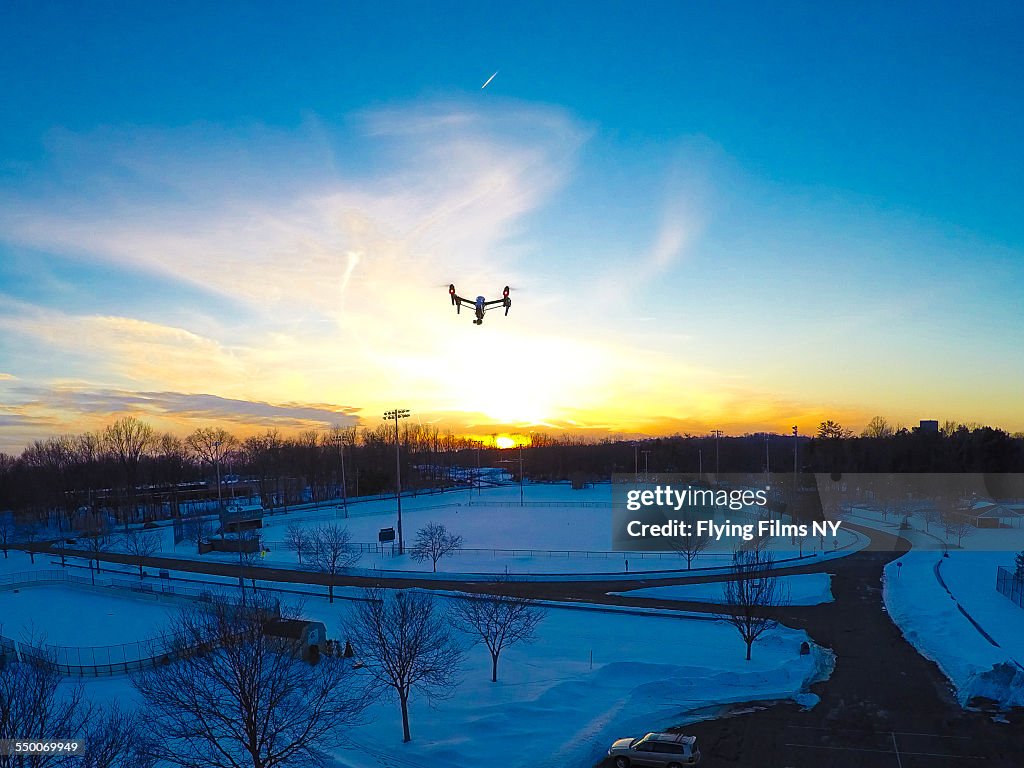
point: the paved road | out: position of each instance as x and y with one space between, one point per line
885 706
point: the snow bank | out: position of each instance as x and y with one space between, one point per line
591 677
931 619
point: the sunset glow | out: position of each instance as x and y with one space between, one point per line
280 259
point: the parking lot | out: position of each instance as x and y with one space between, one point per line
838 748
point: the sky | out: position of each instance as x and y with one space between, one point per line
712 216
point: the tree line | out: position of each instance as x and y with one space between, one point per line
135 472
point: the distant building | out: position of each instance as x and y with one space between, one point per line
929 425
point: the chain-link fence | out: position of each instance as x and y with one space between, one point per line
1010 585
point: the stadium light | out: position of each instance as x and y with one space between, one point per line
396 414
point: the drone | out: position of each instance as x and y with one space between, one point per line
481 305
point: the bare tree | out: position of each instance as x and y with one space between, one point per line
197 529
28 533
238 696
406 644
115 739
6 531
34 700
128 440
931 516
433 541
97 541
799 538
331 552
498 621
141 544
211 445
750 595
691 546
956 523
297 539
878 427
60 544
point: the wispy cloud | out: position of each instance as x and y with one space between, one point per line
323 255
77 407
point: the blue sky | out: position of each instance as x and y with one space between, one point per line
731 215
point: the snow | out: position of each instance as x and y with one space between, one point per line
593 674
552 706
803 589
931 618
556 535
75 616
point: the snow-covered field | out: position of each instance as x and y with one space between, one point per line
802 589
554 706
557 535
72 616
590 677
930 618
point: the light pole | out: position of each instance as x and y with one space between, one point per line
522 498
339 438
396 414
767 456
216 457
717 433
795 437
646 456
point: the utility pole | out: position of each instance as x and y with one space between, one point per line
646 456
767 457
396 414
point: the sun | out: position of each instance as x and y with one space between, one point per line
504 441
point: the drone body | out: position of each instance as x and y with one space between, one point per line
481 305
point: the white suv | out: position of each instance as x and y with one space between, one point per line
664 750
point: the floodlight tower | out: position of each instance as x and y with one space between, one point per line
396 414
718 434
796 434
339 438
522 498
216 456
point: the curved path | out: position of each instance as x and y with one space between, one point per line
884 706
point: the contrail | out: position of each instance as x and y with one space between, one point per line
488 80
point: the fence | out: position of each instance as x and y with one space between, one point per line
1010 585
545 504
94 661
